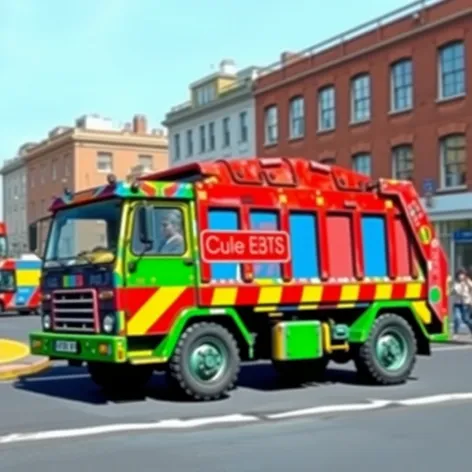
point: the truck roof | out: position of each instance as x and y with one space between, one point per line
178 182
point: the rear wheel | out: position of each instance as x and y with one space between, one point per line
206 362
119 378
389 354
299 372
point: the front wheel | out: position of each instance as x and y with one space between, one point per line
206 362
389 354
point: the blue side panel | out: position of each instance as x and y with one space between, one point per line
23 296
28 265
223 220
374 246
304 245
265 220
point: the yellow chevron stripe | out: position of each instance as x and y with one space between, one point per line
422 310
413 290
224 296
153 309
383 291
271 295
312 294
350 293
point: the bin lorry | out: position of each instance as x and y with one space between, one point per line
19 284
210 264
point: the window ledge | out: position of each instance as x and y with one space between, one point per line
400 112
270 145
360 123
457 188
295 139
326 130
453 98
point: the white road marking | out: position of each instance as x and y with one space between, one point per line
178 424
320 410
114 428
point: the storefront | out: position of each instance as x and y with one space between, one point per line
452 218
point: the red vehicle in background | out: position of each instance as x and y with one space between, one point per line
3 241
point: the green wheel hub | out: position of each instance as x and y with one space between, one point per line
208 360
391 350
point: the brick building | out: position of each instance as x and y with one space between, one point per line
392 98
81 157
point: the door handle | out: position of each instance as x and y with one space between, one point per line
188 261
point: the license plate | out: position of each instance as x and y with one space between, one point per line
66 346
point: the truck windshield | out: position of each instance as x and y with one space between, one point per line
84 234
3 246
7 281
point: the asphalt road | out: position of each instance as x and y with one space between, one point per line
388 440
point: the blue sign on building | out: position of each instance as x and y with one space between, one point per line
462 236
429 186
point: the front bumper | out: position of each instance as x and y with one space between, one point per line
81 347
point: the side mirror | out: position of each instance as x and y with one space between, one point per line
33 237
145 224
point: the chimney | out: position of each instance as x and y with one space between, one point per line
139 124
286 57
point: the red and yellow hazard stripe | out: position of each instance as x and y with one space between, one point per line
153 311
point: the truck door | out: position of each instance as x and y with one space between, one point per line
159 280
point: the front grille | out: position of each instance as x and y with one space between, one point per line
74 311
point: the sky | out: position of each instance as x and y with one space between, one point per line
62 59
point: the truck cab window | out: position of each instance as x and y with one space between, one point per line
168 233
7 280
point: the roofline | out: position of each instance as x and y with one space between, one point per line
230 97
96 136
353 33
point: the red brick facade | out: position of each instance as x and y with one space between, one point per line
416 38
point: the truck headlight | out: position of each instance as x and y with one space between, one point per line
46 321
108 323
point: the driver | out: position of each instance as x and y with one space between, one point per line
173 241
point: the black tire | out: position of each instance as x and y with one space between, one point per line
119 378
180 375
300 372
370 367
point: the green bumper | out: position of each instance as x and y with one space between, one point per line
81 347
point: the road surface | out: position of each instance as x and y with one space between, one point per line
388 440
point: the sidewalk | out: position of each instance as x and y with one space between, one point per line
16 361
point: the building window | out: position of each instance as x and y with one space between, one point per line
189 143
326 108
271 125
202 139
452 70
146 162
402 85
177 147
360 98
54 169
104 162
211 136
226 133
453 161
361 163
402 163
297 118
205 94
243 127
